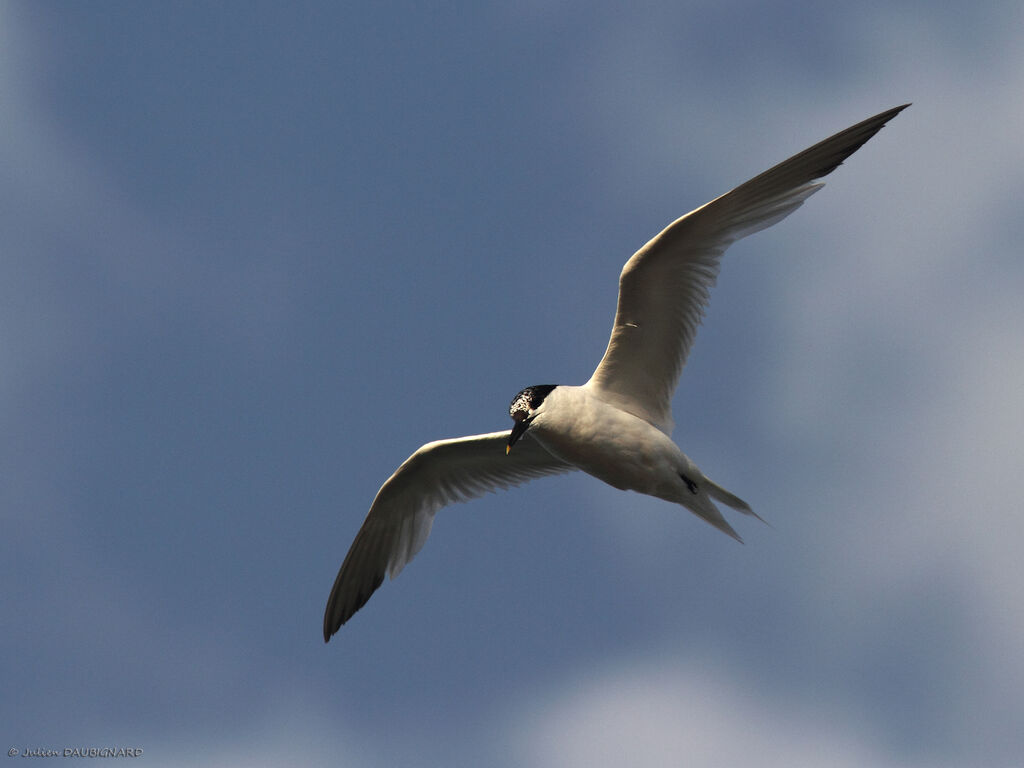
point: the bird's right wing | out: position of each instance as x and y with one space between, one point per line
665 286
399 520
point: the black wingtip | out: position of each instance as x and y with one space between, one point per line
889 114
858 135
346 599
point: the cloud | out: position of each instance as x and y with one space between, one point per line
688 711
899 383
913 355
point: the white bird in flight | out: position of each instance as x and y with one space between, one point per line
617 426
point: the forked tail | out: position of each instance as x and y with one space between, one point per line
701 505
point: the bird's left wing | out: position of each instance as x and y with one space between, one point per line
399 520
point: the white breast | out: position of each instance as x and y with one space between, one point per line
614 446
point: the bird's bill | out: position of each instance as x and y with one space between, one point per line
517 431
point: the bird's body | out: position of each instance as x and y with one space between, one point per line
579 427
617 426
617 447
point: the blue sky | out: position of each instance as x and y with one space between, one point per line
254 255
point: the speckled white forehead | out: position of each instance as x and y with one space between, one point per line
529 399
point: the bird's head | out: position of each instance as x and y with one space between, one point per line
523 408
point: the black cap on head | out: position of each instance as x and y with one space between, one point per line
527 400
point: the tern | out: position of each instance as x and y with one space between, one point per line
616 426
